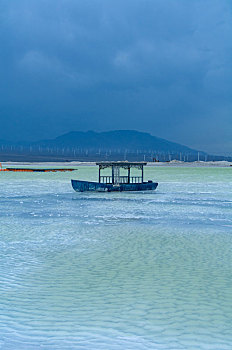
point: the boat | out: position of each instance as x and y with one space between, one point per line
116 182
41 170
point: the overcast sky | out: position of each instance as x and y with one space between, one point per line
161 66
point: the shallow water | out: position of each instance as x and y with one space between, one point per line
116 270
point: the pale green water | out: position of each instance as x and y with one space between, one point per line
116 270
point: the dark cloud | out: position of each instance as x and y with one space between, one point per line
157 66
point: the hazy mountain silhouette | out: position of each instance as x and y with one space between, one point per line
92 146
129 140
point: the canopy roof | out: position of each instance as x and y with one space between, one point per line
122 164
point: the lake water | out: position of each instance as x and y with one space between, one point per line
116 270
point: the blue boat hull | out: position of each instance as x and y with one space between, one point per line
83 186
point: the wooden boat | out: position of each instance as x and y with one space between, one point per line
115 182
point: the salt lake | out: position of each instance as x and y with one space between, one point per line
116 270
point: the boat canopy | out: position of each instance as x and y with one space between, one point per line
121 164
115 178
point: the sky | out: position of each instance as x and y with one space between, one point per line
163 67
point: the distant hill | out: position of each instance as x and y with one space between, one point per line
124 140
95 146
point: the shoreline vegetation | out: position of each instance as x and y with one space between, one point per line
173 163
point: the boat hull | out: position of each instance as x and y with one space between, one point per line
87 186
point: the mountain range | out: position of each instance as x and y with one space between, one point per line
91 145
128 140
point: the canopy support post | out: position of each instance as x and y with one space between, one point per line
113 175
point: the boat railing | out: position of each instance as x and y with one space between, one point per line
136 179
106 179
121 179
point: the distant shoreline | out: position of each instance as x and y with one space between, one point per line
174 163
